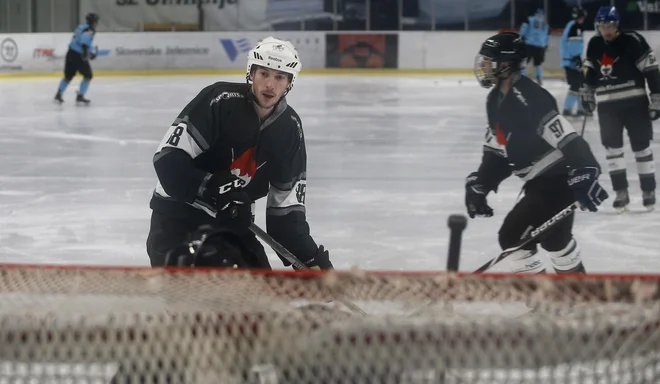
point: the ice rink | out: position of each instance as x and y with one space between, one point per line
387 159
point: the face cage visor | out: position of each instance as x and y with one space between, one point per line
485 70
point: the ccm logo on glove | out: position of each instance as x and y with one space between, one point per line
236 183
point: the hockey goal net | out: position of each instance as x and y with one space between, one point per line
119 325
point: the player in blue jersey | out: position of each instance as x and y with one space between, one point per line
571 47
77 59
535 34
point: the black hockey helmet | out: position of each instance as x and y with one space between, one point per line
578 12
499 55
92 18
208 246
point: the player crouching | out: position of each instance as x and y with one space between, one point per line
527 136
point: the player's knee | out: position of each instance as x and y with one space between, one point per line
641 146
88 77
565 258
68 77
509 235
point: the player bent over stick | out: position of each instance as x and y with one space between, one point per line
528 137
231 145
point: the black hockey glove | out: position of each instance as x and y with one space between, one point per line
586 189
588 98
654 106
577 60
475 197
93 53
320 261
224 192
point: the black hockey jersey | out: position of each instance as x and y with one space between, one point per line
528 137
220 131
618 69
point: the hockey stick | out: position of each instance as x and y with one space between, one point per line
291 258
584 124
564 213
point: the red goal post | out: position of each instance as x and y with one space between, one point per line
97 324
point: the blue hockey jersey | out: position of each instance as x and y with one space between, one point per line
535 31
82 39
571 44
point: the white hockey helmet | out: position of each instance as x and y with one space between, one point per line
276 54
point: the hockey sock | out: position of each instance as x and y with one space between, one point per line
646 169
539 73
526 261
567 260
84 85
579 104
570 101
524 71
63 85
616 165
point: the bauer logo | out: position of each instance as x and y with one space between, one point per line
235 47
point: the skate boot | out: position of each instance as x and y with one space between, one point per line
648 200
621 201
58 97
539 80
567 113
80 99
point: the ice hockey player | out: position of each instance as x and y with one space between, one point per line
535 32
231 145
527 136
77 58
571 48
619 65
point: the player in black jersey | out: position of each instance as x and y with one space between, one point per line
619 66
528 137
231 145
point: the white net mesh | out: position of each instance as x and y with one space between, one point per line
101 325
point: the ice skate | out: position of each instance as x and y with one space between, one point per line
80 99
58 97
648 200
621 201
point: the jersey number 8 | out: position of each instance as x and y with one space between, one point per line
175 136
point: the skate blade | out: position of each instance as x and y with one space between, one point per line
621 209
650 208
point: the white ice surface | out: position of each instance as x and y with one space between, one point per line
387 159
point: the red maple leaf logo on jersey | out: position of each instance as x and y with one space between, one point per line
245 166
607 65
499 135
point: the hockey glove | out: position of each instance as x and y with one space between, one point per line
225 193
475 197
588 98
321 261
654 106
577 60
93 52
586 189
